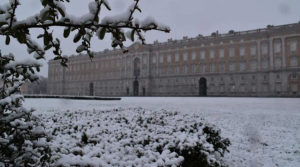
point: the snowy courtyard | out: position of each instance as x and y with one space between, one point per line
262 131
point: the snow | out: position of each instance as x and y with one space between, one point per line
93 7
262 131
26 62
117 19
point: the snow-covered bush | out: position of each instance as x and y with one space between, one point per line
134 137
22 137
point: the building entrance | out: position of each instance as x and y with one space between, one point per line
202 87
91 89
135 88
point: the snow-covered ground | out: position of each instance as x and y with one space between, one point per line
263 131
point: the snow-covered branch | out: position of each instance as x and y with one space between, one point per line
54 14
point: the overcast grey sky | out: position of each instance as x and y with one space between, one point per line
185 18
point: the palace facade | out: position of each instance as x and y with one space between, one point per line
262 62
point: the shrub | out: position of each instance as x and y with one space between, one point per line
139 137
22 138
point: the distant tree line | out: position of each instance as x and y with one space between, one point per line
38 87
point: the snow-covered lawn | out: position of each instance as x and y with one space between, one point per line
263 131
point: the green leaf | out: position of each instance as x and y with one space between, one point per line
114 44
40 36
67 20
67 32
7 41
21 37
45 15
30 50
132 35
38 69
47 47
82 31
80 48
63 64
46 39
57 58
2 23
96 19
77 37
31 70
44 2
91 55
102 33
61 11
55 52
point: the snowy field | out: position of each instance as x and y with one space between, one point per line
263 131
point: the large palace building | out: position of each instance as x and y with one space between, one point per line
262 62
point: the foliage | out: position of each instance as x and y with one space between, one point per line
54 14
134 137
195 155
22 138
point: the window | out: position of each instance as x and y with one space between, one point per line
242 66
203 68
212 54
277 62
202 54
294 61
211 67
194 68
264 49
193 55
185 55
185 69
144 61
161 59
242 51
221 53
176 57
222 67
265 64
277 47
169 58
294 88
253 50
294 75
176 69
293 46
253 65
161 70
231 67
278 76
169 70
278 87
231 52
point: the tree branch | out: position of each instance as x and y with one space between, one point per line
62 24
